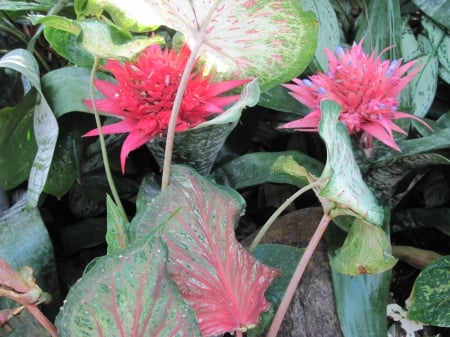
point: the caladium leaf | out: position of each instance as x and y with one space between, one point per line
344 185
222 282
127 294
273 41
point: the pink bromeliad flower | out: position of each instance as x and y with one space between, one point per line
367 89
144 93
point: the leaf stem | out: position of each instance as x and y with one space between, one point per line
277 213
42 319
299 271
174 114
109 177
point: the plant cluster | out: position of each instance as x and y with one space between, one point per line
151 118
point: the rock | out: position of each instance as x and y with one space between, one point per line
312 311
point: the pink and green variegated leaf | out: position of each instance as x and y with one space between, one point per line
273 41
128 293
222 282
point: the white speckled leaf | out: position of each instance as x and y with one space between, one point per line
431 293
218 277
345 185
128 293
271 40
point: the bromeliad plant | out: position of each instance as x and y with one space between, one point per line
176 79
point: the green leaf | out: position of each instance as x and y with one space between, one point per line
214 272
329 35
278 98
46 134
17 143
409 47
361 300
25 242
44 122
444 52
61 23
67 88
135 16
198 147
379 25
273 42
422 217
256 168
128 293
343 183
439 11
15 6
422 88
285 259
117 235
361 303
65 44
385 176
366 249
105 41
430 295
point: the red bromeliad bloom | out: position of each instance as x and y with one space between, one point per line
144 93
367 90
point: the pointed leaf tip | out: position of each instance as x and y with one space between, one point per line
221 281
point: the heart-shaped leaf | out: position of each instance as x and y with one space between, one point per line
127 294
344 184
273 41
222 282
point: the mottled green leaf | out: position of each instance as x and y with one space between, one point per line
272 41
431 293
438 10
198 147
342 180
135 16
366 250
117 235
444 52
214 272
409 47
128 293
105 41
420 218
329 35
256 168
65 44
384 178
379 24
